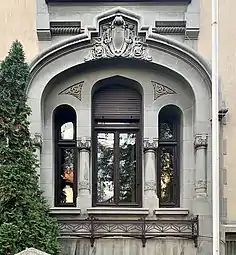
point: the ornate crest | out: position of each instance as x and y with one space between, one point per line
118 38
74 90
161 90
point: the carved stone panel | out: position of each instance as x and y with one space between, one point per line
37 140
200 140
150 185
84 143
161 90
74 90
119 38
150 144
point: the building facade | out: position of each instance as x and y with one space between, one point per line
121 110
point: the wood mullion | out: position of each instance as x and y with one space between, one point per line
116 168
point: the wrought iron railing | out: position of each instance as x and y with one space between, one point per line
143 229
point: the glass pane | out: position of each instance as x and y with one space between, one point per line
167 164
67 131
166 131
127 164
67 175
105 167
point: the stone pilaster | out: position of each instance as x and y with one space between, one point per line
84 195
200 145
151 200
37 142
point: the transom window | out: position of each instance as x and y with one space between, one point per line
116 146
65 160
168 157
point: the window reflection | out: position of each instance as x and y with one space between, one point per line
127 164
67 131
166 131
166 174
105 167
67 175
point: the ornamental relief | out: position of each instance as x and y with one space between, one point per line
74 90
119 38
200 140
161 90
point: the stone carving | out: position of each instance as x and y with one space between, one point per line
200 140
150 144
84 185
150 185
32 251
201 185
74 90
37 140
119 38
84 143
161 90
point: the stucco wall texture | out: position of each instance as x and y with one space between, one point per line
18 21
227 71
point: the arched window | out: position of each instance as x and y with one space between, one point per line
168 157
116 146
65 156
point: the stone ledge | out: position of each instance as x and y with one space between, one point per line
106 211
171 211
65 210
229 228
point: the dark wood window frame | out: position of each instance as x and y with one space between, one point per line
173 144
110 128
61 144
128 120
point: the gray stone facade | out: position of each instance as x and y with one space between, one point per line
169 72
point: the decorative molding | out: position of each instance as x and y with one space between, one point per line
170 27
201 185
161 90
74 90
200 140
37 140
150 144
65 28
169 30
84 143
150 185
84 185
119 38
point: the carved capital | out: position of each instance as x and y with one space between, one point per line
84 185
84 143
201 186
37 140
150 144
74 90
161 90
150 185
200 140
119 38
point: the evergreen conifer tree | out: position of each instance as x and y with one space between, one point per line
24 213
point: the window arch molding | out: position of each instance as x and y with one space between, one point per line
65 155
168 155
117 119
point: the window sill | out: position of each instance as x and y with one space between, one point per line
171 212
65 211
112 211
